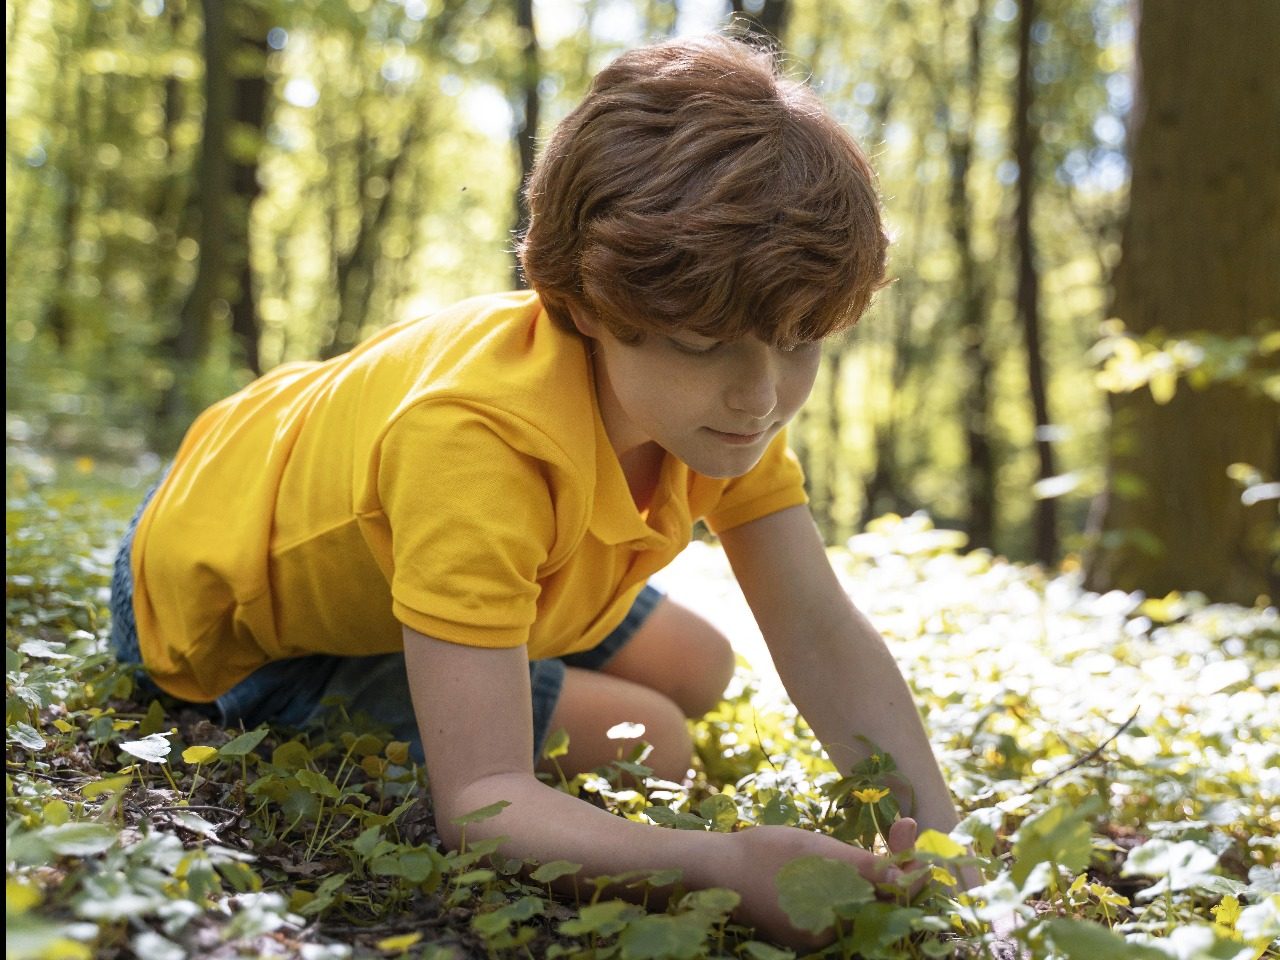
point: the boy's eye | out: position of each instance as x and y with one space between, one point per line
697 349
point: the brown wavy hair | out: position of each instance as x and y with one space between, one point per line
697 189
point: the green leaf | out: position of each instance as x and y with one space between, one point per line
637 770
666 817
715 902
602 919
550 872
664 937
365 745
484 813
416 865
497 921
78 839
153 722
483 875
556 744
55 812
25 736
780 811
317 783
244 744
324 895
29 937
1180 866
877 925
108 785
756 950
655 879
1057 835
368 839
721 811
241 876
1074 940
298 801
291 755
811 889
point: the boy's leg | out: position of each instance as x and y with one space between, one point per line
680 655
592 703
672 665
123 640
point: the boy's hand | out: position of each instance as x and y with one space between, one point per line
763 851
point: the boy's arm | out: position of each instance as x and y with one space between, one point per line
473 708
834 665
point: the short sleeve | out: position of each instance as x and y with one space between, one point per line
468 518
774 483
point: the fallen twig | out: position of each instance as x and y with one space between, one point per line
1092 754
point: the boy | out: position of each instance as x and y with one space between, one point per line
462 512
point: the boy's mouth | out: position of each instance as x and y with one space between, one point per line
738 438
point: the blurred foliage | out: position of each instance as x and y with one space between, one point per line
1118 777
387 172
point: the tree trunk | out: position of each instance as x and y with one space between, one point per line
526 135
190 344
171 209
1200 250
78 165
355 270
971 294
249 113
1045 542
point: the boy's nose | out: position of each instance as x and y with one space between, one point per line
754 395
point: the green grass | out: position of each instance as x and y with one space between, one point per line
1118 760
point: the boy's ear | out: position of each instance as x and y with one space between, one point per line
586 324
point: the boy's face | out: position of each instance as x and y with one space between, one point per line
714 405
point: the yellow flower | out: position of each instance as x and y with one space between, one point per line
1226 914
870 795
400 943
199 754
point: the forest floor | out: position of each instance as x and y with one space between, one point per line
1117 758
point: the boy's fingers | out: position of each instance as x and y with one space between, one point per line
902 835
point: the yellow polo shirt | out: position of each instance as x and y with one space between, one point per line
451 473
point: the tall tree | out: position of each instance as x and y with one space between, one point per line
195 325
356 266
963 85
249 100
1200 250
73 116
530 103
1027 299
235 107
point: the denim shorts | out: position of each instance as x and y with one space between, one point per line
298 691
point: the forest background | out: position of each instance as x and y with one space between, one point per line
197 192
1073 374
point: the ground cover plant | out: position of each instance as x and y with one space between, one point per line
1117 759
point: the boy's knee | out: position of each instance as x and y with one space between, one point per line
667 731
709 675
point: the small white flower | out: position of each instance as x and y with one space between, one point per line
625 731
154 747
